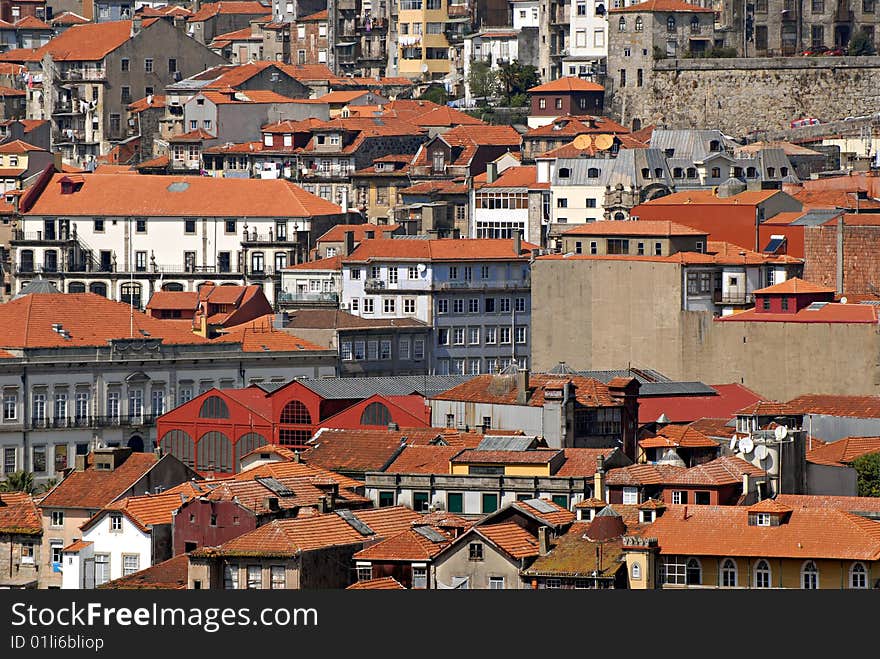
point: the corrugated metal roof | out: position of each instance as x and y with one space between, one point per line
815 217
625 169
676 389
504 443
689 144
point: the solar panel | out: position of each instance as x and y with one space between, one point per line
540 505
774 245
815 306
354 522
431 534
874 303
275 485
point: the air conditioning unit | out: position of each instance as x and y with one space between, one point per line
343 306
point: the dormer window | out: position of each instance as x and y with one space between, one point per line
714 145
267 139
762 519
564 172
335 139
646 516
592 172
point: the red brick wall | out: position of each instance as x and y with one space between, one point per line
861 263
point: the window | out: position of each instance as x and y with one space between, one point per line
254 577
131 563
553 584
670 24
392 275
762 574
57 518
458 336
636 571
489 503
10 407
484 272
491 335
455 502
762 519
126 94
496 583
172 65
345 350
474 336
57 549
621 24
420 502
125 64
674 571
140 261
258 262
39 459
278 576
679 497
388 305
412 272
189 226
490 305
618 246
386 499
148 65
385 349
419 349
116 522
504 335
694 572
140 226
728 573
458 306
9 463
443 336
542 103
475 551
368 305
230 577
631 495
857 576
102 568
809 576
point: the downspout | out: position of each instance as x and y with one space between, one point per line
840 254
25 423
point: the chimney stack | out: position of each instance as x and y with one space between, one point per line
522 386
491 172
297 457
344 199
80 462
543 541
599 479
326 503
517 242
271 504
136 24
348 248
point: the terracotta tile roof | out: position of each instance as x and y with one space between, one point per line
833 199
466 140
143 511
288 537
170 10
91 320
308 71
333 263
443 520
77 545
726 470
435 187
159 161
769 506
794 285
592 502
437 250
176 196
525 176
581 462
678 436
272 449
157 101
31 23
337 232
858 406
708 197
809 533
19 514
94 488
284 470
634 228
170 300
767 408
259 335
9 91
423 460
317 16
537 457
575 555
830 313
355 450
219 97
306 492
573 125
211 9
244 34
511 538
382 583
643 474
336 97
89 42
22 55
408 545
558 517
854 505
8 68
446 116
167 575
568 84
68 18
842 452
501 390
6 355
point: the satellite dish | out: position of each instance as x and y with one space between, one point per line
746 445
421 267
582 142
780 432
733 443
843 300
760 451
424 68
603 142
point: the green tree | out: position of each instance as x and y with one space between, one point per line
483 81
868 469
435 94
515 80
19 481
861 44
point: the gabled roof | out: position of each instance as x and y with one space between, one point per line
568 84
354 450
793 285
569 126
19 514
829 313
678 436
68 18
808 533
655 228
576 555
31 23
842 452
445 116
337 232
382 583
501 390
155 101
867 407
93 488
408 545
710 198
18 146
143 511
330 264
174 300
211 9
89 42
439 250
511 538
767 408
167 575
854 505
259 335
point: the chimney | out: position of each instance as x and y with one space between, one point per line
326 503
297 457
271 504
344 199
522 386
136 24
80 462
281 320
599 479
179 22
491 172
348 248
517 242
543 543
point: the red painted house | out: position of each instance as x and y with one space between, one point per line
569 95
380 411
790 296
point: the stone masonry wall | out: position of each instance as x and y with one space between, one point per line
743 95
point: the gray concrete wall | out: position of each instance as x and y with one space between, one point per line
458 564
832 428
834 481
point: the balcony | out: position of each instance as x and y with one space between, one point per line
70 136
38 237
269 238
484 285
127 420
376 285
732 297
67 108
308 298
72 74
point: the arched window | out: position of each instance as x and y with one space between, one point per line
621 24
694 572
636 124
678 172
858 576
728 573
214 453
670 24
762 574
564 172
247 443
751 172
98 288
295 413
714 145
76 287
639 24
636 571
771 172
619 216
173 286
809 576
131 294
179 444
592 172
691 172
737 172
26 260
695 25
214 407
375 414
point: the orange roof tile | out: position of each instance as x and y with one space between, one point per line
68 18
382 583
445 249
94 488
89 42
581 462
200 196
854 505
408 545
333 263
511 538
211 9
337 232
572 125
31 23
794 285
259 335
317 16
726 470
446 116
284 470
77 545
501 390
558 516
9 91
708 197
167 575
568 84
809 533
423 460
250 96
168 300
537 457
354 450
678 436
157 101
830 313
833 405
19 514
525 176
634 228
842 452
22 55
143 511
768 408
